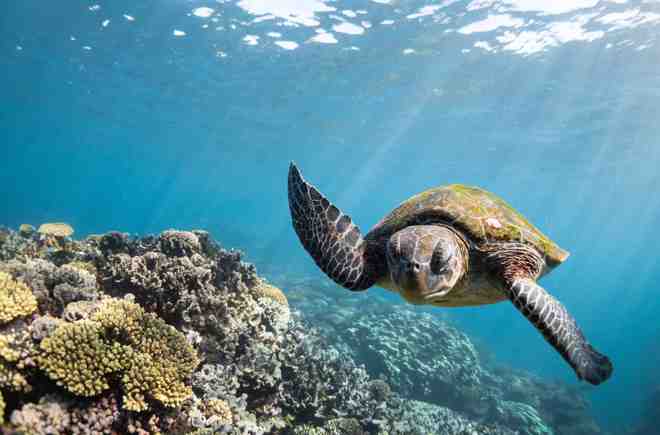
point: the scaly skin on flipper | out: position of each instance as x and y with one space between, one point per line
330 237
560 330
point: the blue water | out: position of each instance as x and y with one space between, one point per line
127 126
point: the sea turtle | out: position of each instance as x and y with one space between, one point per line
450 246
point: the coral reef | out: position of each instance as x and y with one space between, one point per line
172 334
424 357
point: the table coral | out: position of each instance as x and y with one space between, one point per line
56 229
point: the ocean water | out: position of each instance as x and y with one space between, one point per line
144 116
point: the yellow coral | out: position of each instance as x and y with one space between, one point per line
219 410
56 229
163 356
263 289
15 349
16 299
151 358
12 379
79 358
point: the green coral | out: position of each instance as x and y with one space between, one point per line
120 341
16 299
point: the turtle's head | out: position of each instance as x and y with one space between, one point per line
426 262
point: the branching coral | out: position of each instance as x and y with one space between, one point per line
150 358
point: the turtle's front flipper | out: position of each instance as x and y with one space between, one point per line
330 237
559 329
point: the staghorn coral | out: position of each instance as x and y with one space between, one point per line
120 340
16 299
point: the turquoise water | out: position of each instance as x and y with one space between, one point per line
171 116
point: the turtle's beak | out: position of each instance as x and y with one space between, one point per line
413 284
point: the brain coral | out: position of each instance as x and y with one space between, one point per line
16 299
120 341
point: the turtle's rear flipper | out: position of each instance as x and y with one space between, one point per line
330 237
560 330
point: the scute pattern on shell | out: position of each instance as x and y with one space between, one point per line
482 216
